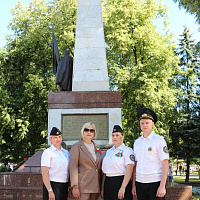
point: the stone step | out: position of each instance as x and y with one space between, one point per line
13 179
20 193
19 188
35 193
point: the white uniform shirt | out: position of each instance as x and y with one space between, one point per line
116 159
149 152
58 162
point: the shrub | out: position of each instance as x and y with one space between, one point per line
3 168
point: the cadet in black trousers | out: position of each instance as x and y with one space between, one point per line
151 160
117 167
54 164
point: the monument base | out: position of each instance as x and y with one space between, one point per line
70 110
23 186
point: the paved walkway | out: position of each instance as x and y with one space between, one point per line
191 175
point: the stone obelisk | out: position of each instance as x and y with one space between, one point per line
90 67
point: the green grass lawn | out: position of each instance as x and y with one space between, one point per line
181 179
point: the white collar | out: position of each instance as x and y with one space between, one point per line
120 147
55 149
150 137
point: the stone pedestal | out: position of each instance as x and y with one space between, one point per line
69 111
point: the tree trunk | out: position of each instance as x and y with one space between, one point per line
187 179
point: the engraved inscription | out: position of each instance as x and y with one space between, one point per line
72 125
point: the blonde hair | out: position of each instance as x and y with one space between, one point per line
89 124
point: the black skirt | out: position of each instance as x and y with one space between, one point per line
112 186
60 190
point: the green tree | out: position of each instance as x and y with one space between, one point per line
191 6
185 133
141 62
26 74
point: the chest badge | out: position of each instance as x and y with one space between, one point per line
119 154
150 149
97 149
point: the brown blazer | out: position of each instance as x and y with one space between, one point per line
85 173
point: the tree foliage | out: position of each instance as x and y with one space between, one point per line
141 62
191 6
186 131
26 74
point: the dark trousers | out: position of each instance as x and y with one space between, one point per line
60 190
112 186
147 191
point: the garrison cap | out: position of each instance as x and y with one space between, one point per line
146 113
55 131
117 128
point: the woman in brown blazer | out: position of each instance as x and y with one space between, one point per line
85 165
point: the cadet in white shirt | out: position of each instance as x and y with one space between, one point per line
117 167
54 164
151 160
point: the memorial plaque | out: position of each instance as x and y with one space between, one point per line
72 125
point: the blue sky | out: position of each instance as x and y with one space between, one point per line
6 16
177 18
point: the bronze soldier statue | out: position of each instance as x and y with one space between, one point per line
62 68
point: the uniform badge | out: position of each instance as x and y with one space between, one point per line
132 157
57 133
150 149
165 149
144 115
119 154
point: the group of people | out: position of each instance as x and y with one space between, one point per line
5 168
122 172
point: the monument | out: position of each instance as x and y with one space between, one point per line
90 98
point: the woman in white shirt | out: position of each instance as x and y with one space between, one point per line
54 164
117 167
